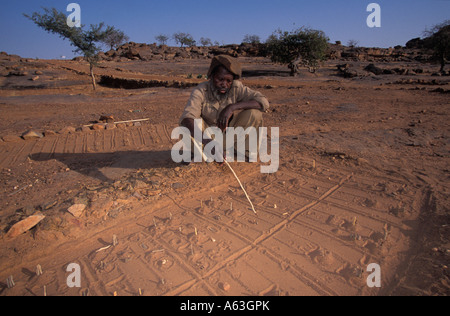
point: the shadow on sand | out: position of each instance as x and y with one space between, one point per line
108 167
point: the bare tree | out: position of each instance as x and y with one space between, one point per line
162 39
115 38
205 41
352 43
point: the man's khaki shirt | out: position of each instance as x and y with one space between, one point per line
206 103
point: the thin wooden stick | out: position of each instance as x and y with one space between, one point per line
122 122
133 121
104 248
242 187
234 173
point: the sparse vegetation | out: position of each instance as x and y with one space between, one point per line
352 43
115 38
251 39
184 39
85 41
206 41
304 46
162 39
438 40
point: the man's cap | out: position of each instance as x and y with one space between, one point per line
231 64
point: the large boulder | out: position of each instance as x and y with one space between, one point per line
374 69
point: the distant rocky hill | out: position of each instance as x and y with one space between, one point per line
147 52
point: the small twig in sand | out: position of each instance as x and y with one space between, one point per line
104 248
38 270
21 189
115 241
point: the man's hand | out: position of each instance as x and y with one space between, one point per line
227 113
224 117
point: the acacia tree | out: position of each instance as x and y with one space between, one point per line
205 42
251 39
84 41
304 46
115 38
162 39
438 41
184 39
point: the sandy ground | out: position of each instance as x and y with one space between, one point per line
363 178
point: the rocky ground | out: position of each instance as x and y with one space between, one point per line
363 178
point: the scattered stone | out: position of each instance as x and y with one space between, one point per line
77 210
85 129
18 73
138 184
153 192
346 72
34 78
110 126
11 138
81 200
362 161
374 69
38 72
101 206
49 133
32 135
138 196
98 127
107 119
224 286
68 130
177 185
24 225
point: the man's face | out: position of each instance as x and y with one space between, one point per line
223 80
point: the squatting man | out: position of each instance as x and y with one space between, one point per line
222 118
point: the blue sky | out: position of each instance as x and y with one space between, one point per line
223 21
